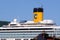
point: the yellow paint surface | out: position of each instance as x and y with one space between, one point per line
38 16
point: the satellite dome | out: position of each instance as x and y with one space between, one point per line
15 23
15 20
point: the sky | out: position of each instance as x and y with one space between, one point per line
23 9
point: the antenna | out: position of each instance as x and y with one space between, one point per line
40 4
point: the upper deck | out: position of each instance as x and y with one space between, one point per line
28 30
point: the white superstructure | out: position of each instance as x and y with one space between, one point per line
28 30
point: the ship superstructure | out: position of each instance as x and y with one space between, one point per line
31 29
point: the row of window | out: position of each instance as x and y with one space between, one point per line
15 39
30 29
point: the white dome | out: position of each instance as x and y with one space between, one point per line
30 22
14 22
47 21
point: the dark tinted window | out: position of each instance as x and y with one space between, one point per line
17 39
25 39
3 39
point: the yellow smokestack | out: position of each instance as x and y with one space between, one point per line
38 15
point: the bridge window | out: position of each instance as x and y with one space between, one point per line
17 39
3 39
25 39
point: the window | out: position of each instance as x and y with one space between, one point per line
25 39
3 39
17 39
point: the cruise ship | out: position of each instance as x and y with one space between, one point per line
38 29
